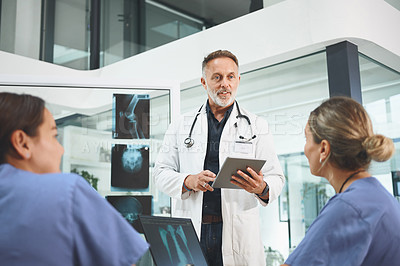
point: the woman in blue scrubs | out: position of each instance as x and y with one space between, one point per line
360 224
49 218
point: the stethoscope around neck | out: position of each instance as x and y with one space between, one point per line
189 141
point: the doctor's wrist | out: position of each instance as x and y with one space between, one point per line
185 187
264 192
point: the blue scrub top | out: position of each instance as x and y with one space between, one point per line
357 227
59 219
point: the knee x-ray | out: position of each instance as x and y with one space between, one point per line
130 166
131 116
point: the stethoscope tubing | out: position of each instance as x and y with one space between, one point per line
189 141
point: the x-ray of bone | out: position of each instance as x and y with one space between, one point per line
174 240
131 116
130 166
131 207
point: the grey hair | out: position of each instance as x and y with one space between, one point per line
218 54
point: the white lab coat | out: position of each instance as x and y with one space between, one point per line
241 235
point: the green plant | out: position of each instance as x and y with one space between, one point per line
88 177
273 257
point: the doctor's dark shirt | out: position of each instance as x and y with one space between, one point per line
212 200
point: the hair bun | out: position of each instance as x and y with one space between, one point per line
378 147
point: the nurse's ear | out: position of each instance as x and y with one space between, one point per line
324 149
21 145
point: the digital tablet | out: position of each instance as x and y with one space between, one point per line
230 167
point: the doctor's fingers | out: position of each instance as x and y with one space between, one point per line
207 173
205 177
258 177
250 182
258 183
240 182
246 183
205 187
204 180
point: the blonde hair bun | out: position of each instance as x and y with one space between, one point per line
378 147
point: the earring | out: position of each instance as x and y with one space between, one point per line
28 155
320 161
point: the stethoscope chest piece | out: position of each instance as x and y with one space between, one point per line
189 142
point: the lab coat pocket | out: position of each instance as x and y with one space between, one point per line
246 232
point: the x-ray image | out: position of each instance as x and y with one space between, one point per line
131 116
176 244
131 207
173 241
130 166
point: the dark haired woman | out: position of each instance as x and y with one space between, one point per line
49 218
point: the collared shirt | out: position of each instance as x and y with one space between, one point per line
212 200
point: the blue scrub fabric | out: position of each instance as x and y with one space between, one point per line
357 227
59 219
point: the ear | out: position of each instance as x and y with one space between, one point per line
325 149
203 82
20 141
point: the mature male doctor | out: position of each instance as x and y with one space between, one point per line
194 148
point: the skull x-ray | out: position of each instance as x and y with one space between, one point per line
131 207
130 166
131 116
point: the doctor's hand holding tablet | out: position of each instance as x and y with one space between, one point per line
235 173
251 181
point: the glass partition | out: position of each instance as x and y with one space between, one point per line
380 88
59 31
214 12
302 198
20 27
111 137
284 95
131 27
71 33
